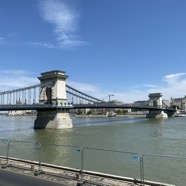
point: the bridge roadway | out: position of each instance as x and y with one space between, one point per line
124 106
79 106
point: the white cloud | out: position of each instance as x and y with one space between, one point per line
173 85
174 78
65 21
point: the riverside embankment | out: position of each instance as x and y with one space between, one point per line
36 172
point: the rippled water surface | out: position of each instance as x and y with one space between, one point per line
138 135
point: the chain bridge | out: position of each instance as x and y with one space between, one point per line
53 98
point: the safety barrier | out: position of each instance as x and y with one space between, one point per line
168 167
139 166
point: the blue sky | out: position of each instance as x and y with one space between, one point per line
128 48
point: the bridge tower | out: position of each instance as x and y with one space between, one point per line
53 92
155 100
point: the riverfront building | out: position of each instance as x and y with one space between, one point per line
179 102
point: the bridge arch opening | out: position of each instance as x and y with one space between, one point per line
49 95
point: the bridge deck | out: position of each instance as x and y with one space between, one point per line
77 106
33 107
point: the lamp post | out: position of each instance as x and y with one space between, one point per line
110 96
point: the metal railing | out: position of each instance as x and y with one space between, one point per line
85 155
156 165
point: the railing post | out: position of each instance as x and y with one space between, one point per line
81 182
8 148
142 169
38 146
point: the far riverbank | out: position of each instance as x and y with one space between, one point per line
117 116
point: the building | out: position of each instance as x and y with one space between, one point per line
141 103
180 103
22 113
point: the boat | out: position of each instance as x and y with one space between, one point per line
110 114
180 115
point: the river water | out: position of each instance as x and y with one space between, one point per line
138 135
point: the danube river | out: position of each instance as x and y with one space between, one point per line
139 135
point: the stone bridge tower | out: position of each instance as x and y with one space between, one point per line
155 100
53 95
53 88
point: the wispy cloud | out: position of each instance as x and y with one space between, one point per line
11 79
87 88
65 21
40 44
138 87
11 35
150 86
15 72
2 41
7 39
97 91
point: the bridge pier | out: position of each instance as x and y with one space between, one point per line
52 119
157 114
53 92
156 101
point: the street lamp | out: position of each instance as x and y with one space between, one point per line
110 96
